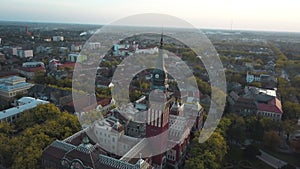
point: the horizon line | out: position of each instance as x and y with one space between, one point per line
201 28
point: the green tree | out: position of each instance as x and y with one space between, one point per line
37 115
194 163
272 139
6 128
209 154
203 86
223 126
103 92
7 148
269 124
288 126
291 110
254 128
145 85
39 77
135 95
295 144
251 151
37 128
236 131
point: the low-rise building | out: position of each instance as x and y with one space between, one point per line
76 58
25 103
76 47
12 86
2 57
15 50
272 109
58 74
256 101
47 40
93 45
42 49
25 53
29 69
252 78
265 79
57 38
63 50
33 64
151 51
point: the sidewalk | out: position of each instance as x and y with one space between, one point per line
270 160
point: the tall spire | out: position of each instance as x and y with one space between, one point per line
159 74
161 40
160 60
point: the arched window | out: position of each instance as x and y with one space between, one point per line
77 164
65 163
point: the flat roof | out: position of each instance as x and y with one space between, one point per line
11 78
30 103
6 87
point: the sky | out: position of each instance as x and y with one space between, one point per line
266 15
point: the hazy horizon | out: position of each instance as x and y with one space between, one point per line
96 24
253 15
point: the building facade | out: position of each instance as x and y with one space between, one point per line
256 101
57 38
24 103
29 69
12 86
25 53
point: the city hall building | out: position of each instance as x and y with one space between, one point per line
119 142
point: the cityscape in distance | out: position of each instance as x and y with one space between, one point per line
153 88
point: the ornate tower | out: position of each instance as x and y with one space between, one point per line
158 112
159 75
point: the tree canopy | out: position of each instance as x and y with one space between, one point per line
34 130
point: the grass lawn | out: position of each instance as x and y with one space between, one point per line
293 159
235 154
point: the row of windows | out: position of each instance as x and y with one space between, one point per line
15 93
171 155
11 118
267 114
105 140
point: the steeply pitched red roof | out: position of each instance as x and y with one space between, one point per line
273 105
68 64
32 69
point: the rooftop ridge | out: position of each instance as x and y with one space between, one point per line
21 108
119 164
70 138
134 150
63 145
